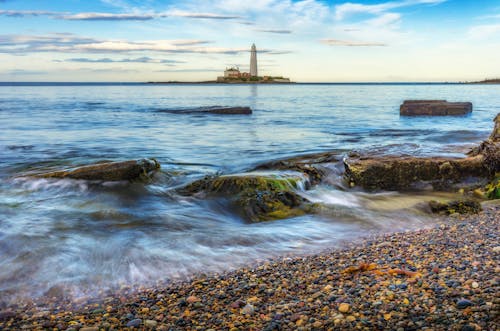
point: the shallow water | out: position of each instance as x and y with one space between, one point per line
83 235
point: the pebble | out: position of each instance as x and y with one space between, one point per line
442 278
248 310
344 307
464 303
150 323
134 323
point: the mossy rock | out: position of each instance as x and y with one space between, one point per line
492 190
258 196
453 207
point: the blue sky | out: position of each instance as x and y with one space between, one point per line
306 40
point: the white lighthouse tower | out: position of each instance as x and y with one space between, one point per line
253 61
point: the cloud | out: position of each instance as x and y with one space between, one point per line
349 8
105 17
25 72
383 20
484 31
335 42
190 70
144 59
96 16
275 31
180 13
23 13
69 43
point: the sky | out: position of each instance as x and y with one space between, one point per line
195 40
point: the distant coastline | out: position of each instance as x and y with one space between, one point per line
28 83
233 81
486 81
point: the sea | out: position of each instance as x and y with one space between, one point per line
86 237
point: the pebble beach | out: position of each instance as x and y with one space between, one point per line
442 278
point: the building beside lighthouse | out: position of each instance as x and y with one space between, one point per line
234 75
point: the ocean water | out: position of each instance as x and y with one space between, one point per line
83 236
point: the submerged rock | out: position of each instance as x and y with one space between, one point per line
399 173
108 171
452 207
259 196
211 110
434 108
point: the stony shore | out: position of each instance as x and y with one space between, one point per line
444 278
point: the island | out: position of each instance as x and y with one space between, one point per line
233 75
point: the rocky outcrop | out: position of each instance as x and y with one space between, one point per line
400 173
258 196
108 171
434 108
210 110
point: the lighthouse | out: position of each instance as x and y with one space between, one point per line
253 61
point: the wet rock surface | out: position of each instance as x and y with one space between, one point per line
400 173
108 171
452 207
258 196
434 108
444 278
311 164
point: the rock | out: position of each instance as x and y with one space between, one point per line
108 171
210 110
90 328
399 173
492 190
134 323
248 309
150 323
192 299
434 108
475 284
311 165
344 307
460 207
258 196
402 173
6 315
464 303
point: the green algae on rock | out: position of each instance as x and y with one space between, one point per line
492 190
108 171
452 207
261 196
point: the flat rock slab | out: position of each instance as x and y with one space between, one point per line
211 110
434 108
400 173
108 171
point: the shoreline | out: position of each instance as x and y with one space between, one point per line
445 277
